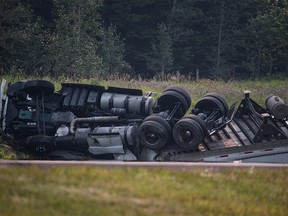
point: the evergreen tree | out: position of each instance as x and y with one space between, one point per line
112 52
269 39
74 42
22 41
162 57
137 21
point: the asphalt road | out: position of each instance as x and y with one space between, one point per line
123 164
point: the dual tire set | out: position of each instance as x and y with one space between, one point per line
189 131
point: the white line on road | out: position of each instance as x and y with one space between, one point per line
142 164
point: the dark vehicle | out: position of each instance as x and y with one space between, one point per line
83 121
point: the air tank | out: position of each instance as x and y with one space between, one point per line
105 140
139 105
128 134
277 107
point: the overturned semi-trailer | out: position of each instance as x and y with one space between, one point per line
83 121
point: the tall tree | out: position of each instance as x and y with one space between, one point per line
220 33
75 40
112 52
270 40
186 26
21 39
137 20
162 58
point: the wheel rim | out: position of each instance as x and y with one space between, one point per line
200 121
153 135
187 133
150 137
40 144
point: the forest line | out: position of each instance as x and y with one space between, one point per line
222 39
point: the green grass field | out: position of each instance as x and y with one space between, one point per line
90 190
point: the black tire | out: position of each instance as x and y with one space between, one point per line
187 133
35 87
153 135
131 135
182 91
220 98
40 144
209 103
161 121
168 100
199 121
15 88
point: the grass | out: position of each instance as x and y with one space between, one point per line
7 152
139 191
